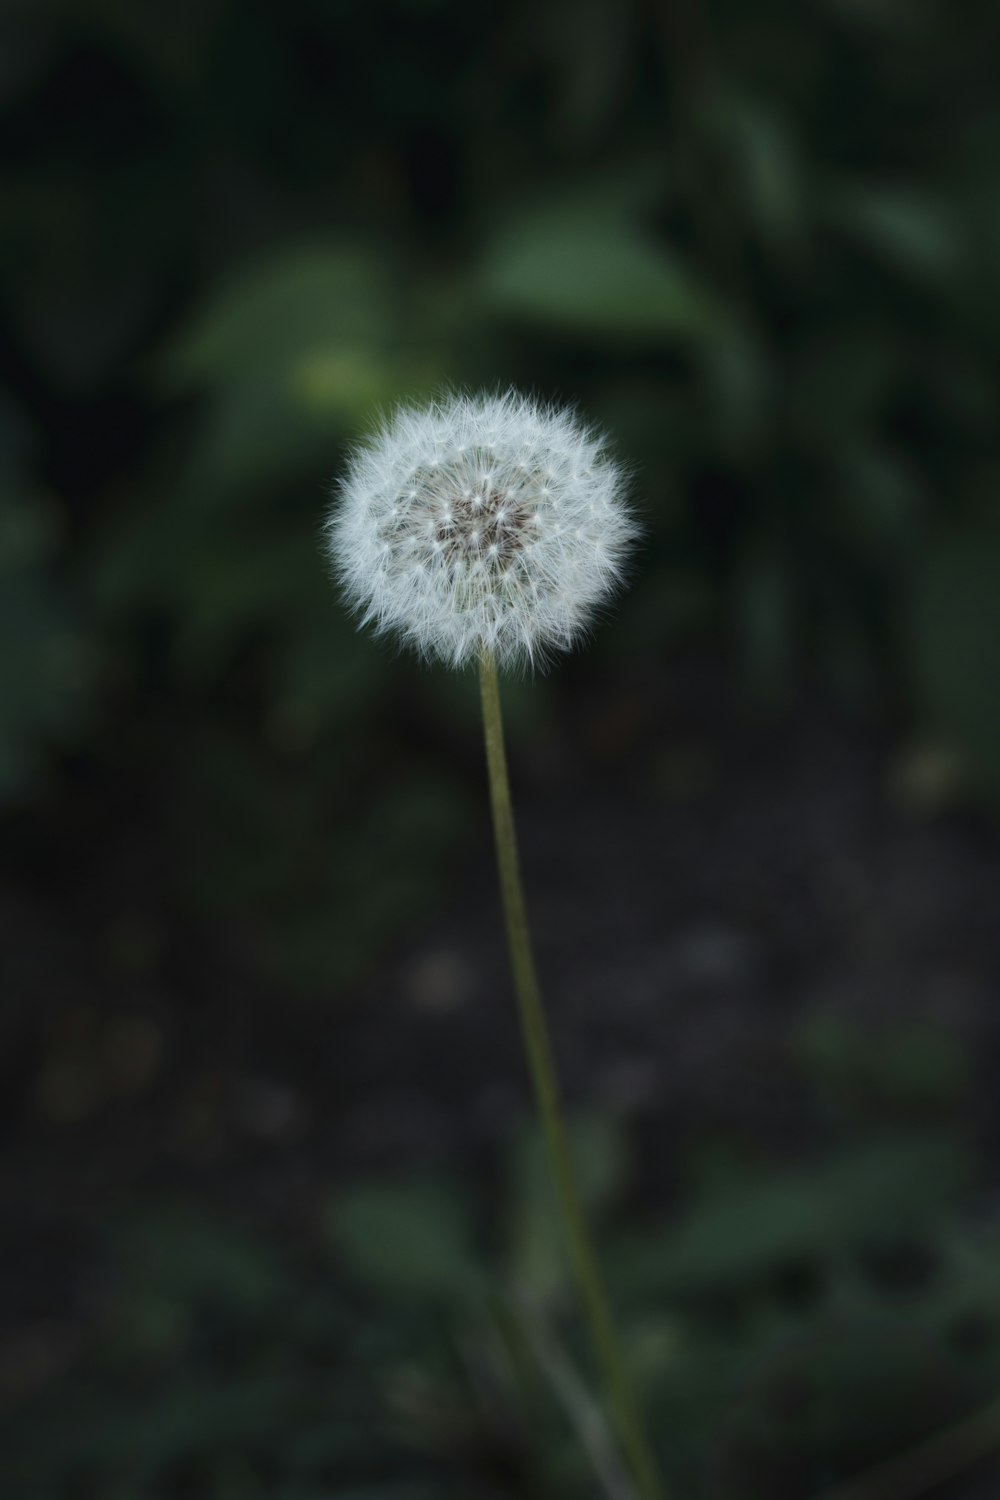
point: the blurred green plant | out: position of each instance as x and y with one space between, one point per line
227 235
954 621
911 1066
46 667
787 318
788 1327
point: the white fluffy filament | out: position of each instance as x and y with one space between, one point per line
487 523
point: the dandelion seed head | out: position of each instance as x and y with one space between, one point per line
481 523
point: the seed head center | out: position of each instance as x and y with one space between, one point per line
483 524
463 516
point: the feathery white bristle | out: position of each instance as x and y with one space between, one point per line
480 523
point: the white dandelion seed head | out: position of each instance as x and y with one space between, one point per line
481 523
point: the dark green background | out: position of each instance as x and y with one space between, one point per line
245 894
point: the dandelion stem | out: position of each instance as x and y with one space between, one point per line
539 1050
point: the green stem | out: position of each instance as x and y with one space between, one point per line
543 1076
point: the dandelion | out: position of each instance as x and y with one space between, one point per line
490 529
481 524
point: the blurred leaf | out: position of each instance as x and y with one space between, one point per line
297 349
598 279
273 313
257 432
860 1197
910 229
881 494
910 1063
765 166
537 1248
179 1267
741 386
962 1304
954 643
46 667
835 1399
411 1239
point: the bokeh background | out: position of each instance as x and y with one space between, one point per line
276 1221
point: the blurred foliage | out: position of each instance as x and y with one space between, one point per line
760 249
913 1067
956 632
759 244
45 666
787 1326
